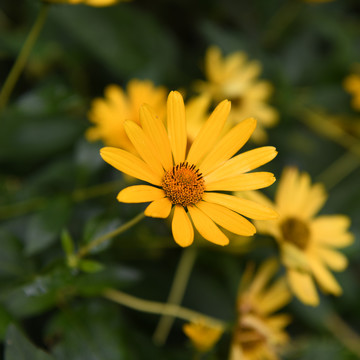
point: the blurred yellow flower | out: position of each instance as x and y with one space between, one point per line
308 244
258 333
352 86
188 180
108 114
235 78
96 3
203 335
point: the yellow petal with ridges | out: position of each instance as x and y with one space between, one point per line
140 194
177 126
226 218
324 277
303 287
242 206
130 164
182 229
209 133
144 146
155 130
159 208
243 182
206 227
229 145
243 163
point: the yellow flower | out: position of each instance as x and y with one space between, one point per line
352 86
203 335
109 114
96 3
188 181
308 244
235 78
259 334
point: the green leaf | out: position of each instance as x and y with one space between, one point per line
90 266
18 347
45 227
67 242
91 330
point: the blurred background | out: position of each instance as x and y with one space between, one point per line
52 179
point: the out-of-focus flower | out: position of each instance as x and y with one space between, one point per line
202 334
96 3
188 181
352 86
196 110
109 113
308 244
235 78
259 334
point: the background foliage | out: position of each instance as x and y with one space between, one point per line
51 177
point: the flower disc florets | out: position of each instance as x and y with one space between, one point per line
295 231
183 184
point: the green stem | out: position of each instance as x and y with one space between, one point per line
347 336
155 307
22 57
93 244
176 294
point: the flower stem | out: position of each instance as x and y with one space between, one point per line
343 333
176 294
93 244
22 57
155 307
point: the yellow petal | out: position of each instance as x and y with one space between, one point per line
287 185
130 164
182 228
140 194
159 208
177 126
228 219
243 182
276 297
324 277
294 258
243 163
331 230
144 146
265 272
155 130
303 287
229 145
206 227
315 201
332 258
245 207
209 133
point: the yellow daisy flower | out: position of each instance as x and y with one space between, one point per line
352 86
308 244
96 3
235 78
259 334
188 181
109 113
203 335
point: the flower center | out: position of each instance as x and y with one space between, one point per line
295 231
183 184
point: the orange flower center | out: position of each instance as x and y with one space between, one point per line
183 184
296 232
